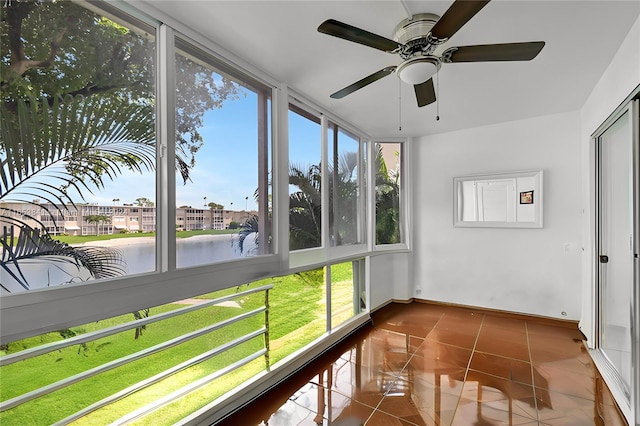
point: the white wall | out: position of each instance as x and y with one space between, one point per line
535 271
390 278
618 81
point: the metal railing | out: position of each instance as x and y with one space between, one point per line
143 411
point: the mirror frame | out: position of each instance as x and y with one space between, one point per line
538 200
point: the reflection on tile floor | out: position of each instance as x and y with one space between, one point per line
424 364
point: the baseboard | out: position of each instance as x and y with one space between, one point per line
389 302
541 319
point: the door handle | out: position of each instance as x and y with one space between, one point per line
604 258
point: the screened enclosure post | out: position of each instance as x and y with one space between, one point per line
266 327
327 285
334 224
355 267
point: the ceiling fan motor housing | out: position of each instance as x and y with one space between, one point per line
419 64
417 27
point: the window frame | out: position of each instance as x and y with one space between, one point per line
38 311
298 257
324 254
405 190
264 92
361 181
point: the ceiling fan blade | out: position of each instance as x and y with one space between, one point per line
494 52
455 17
362 83
425 94
357 35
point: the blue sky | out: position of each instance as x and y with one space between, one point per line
226 165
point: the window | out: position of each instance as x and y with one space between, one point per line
345 160
223 160
388 183
90 122
347 291
305 175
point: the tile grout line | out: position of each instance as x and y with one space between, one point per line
466 371
533 378
473 350
510 358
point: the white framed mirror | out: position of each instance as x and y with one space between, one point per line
498 200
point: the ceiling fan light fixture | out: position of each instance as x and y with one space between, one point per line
418 70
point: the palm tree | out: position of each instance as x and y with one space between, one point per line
343 199
305 225
96 219
305 210
387 202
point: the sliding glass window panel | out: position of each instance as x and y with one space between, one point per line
305 174
345 185
222 159
78 145
616 256
388 183
346 299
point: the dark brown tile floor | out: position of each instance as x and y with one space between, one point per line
426 364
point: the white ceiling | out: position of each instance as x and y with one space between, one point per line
280 38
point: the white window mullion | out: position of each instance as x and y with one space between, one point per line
371 196
405 190
166 153
325 183
281 175
362 192
326 206
327 284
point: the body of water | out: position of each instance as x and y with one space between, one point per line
140 258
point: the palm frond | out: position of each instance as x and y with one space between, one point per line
53 145
53 148
347 163
307 179
251 226
33 244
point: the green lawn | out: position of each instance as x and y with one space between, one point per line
297 311
69 239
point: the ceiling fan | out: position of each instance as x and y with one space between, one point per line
417 38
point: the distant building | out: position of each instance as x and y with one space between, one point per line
95 219
190 219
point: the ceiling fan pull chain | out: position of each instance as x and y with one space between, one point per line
399 105
437 98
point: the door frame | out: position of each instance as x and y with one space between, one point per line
628 403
